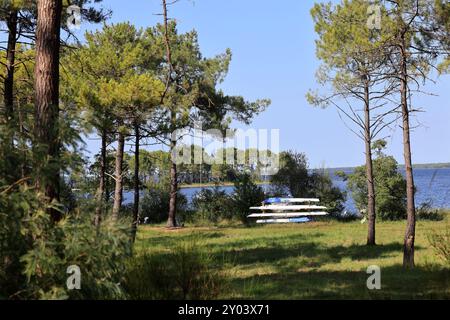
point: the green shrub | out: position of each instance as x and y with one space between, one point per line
426 212
330 196
155 204
440 242
187 272
35 252
211 205
99 253
245 195
214 205
390 188
15 241
294 180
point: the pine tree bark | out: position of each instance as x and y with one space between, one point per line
136 183
22 140
369 169
408 247
8 96
118 190
172 222
46 131
102 182
8 93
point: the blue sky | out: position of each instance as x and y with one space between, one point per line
274 57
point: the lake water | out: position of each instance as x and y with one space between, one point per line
432 185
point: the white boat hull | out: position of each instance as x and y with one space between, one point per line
292 207
287 215
275 221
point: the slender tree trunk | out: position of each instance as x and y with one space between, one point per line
102 183
136 183
22 145
119 177
408 247
171 222
369 169
107 188
47 143
8 94
8 97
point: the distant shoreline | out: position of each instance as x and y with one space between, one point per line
230 184
212 184
430 166
443 165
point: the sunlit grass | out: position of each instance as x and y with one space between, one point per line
324 260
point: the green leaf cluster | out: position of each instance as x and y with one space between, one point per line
35 252
390 198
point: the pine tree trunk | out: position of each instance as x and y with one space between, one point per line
118 191
408 247
136 183
171 222
8 93
8 98
107 187
22 144
369 170
46 131
102 183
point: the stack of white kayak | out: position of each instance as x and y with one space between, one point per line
287 210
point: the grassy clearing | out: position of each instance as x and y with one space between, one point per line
321 260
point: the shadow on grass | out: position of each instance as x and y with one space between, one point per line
270 250
317 253
302 276
396 283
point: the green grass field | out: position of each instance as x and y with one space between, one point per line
320 260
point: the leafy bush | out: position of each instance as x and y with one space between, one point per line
155 204
35 252
187 272
15 206
390 187
330 196
75 241
246 194
426 212
440 242
294 179
211 205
